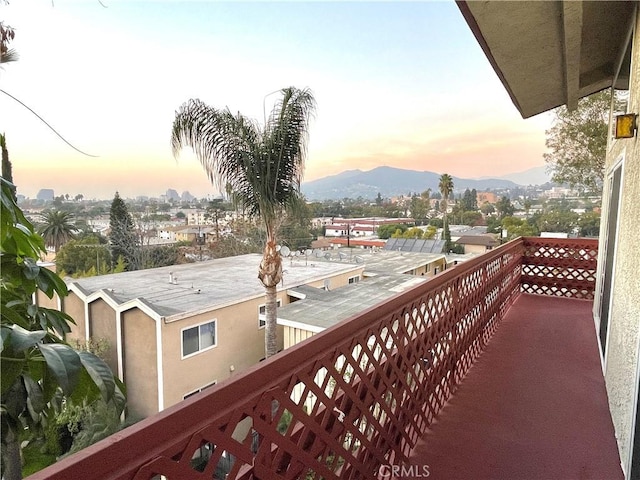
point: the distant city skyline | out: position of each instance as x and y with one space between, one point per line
402 84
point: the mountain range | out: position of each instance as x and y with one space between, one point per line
390 181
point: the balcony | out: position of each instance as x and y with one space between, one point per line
489 370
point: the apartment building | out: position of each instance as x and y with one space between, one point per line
174 331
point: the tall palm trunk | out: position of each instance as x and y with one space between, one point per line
270 274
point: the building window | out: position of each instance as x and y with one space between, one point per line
198 390
199 338
262 313
355 279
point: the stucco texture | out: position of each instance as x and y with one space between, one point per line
622 355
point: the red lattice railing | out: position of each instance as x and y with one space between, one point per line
560 267
352 398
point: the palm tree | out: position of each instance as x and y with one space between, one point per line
263 164
446 187
57 228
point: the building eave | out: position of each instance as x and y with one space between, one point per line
548 54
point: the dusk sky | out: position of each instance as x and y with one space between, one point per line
402 84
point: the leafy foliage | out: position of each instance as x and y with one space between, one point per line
504 207
518 227
578 141
122 237
77 257
558 220
469 201
7 169
56 228
589 224
388 230
39 369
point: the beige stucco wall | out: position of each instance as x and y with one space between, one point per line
239 339
337 281
293 336
239 344
622 355
73 306
43 301
102 325
475 249
140 365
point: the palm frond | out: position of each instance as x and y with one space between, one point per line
9 56
263 166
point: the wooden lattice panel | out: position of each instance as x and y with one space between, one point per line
560 267
365 401
339 405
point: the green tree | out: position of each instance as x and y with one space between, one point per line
430 233
469 200
122 237
295 230
79 256
589 224
558 220
158 256
57 228
486 208
504 207
414 232
419 209
264 165
472 218
39 369
387 231
577 142
517 227
446 187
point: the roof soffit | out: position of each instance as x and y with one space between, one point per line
551 53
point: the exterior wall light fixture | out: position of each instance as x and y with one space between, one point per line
626 125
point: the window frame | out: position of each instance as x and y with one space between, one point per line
357 280
200 349
262 317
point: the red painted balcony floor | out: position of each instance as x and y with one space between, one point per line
534 406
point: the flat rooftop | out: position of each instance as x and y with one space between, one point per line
205 285
385 261
321 309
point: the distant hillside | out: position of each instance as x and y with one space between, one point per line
389 182
533 176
